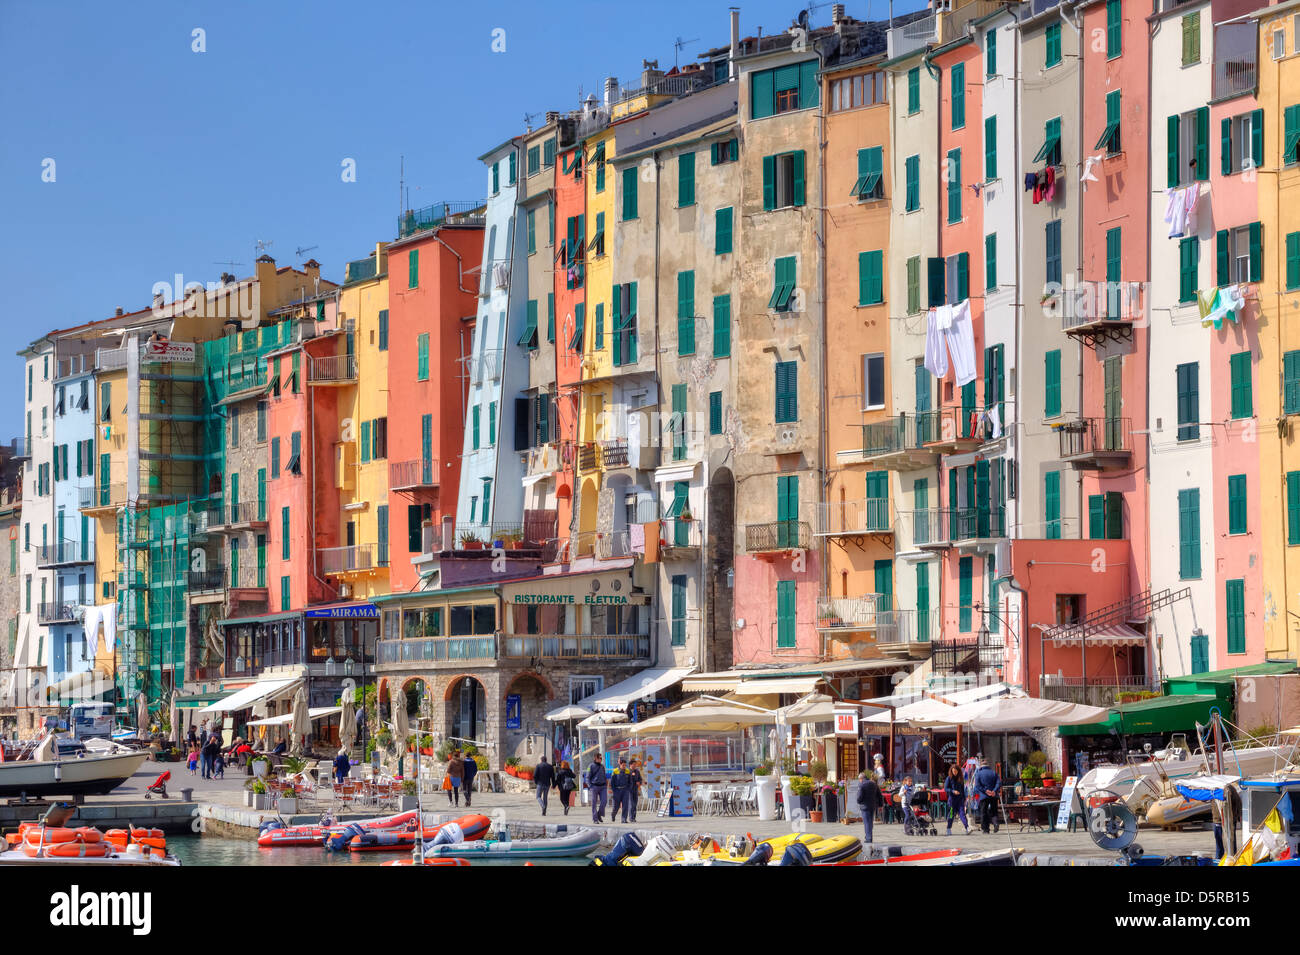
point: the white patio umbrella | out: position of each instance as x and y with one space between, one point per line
301 722
174 717
348 720
397 703
1011 714
141 715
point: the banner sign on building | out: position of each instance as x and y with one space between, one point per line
351 612
165 351
514 712
846 723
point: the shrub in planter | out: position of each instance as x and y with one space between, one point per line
481 762
764 768
818 771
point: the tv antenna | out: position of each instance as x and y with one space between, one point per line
678 44
300 252
228 263
263 245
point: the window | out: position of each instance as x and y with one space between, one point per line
785 614
1189 413
1050 151
783 180
1052 504
865 89
474 427
685 180
991 52
1235 614
105 398
783 89
1187 147
965 596
1293 508
677 422
1192 38
365 442
1052 251
953 175
1291 382
784 277
1106 516
912 171
550 316
873 381
990 148
596 247
629 193
624 321
722 326
1114 28
935 288
1291 135
990 262
496 178
413 269
1293 261
1236 504
686 312
599 159
1110 138
724 152
913 90
528 337
871 278
1243 405
422 357
293 465
715 412
1189 261
1241 142
1239 254
579 327
913 285
534 160
722 231
548 153
532 231
598 334
284 594
679 610
275 457
870 182
1052 46
510 178
958 88
1189 534
787 392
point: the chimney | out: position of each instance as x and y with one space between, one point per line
732 68
312 268
158 301
611 90
119 313
837 14
448 532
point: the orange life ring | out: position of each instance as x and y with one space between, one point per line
43 835
70 850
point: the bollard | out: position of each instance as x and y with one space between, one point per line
187 794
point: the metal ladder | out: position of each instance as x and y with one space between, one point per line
1138 607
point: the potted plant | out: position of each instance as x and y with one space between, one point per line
426 744
802 788
259 766
260 793
409 799
818 770
470 541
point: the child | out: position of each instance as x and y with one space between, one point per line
194 758
905 799
219 766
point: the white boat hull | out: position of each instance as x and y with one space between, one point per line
1120 779
18 857
87 776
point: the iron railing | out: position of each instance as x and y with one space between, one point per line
1236 69
404 475
65 552
977 523
929 525
611 545
868 516
1086 436
584 646
848 613
212 577
432 216
332 369
675 532
589 457
57 612
437 649
360 270
342 560
244 512
614 453
777 535
103 495
485 367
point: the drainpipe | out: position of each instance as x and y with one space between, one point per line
823 477
1072 22
1011 582
658 609
460 266
1018 313
1152 30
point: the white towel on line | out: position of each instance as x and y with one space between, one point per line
960 338
936 354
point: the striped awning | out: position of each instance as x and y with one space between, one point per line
1116 635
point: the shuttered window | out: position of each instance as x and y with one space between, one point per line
284 534
1189 260
1236 504
1235 606
1189 401
721 326
787 392
913 285
783 284
1293 508
990 147
912 173
1200 653
958 89
686 312
785 614
722 231
1189 534
1192 38
715 412
629 193
422 357
954 185
1052 46
991 52
686 180
1291 382
1052 504
1293 261
990 262
1052 251
679 610
1114 28
965 595
871 284
913 90
1239 373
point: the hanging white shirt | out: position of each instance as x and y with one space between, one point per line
936 354
960 338
91 624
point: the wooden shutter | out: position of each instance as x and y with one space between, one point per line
1171 150
1256 231
797 159
769 182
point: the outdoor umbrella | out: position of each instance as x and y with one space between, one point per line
141 715
566 713
301 721
397 703
260 713
1011 714
348 721
174 718
705 717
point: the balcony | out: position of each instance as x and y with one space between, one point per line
930 528
613 454
413 475
360 270
485 367
777 537
936 29
235 517
439 213
977 525
107 497
49 613
904 632
437 650
848 613
1103 691
111 359
1096 444
956 430
854 518
209 579
355 559
613 545
573 646
969 653
65 553
332 370
899 443
1236 71
1098 312
589 457
679 539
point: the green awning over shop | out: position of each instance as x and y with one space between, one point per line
1221 682
1160 714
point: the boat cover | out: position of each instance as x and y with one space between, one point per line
1204 788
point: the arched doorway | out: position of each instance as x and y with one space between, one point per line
418 711
530 739
466 712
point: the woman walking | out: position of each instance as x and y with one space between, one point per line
455 773
566 782
955 788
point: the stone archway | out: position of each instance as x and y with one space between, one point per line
531 738
465 711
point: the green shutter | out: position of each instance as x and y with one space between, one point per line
1189 260
679 610
1291 382
1189 534
284 533
769 183
1096 517
799 184
914 90
1235 605
787 392
1114 28
991 52
958 91
965 597
474 427
686 180
550 316
365 442
1236 504
1203 142
1191 38
963 276
936 279
871 277
1256 231
1052 44
629 193
1293 261
1052 504
913 285
913 172
1189 402
532 231
1171 151
954 185
686 312
785 614
715 412
721 326
1240 375
722 231
1225 146
1257 138
990 147
422 357
413 269
1293 508
762 93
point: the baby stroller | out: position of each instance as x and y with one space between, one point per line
159 786
917 820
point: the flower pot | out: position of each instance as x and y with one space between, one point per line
766 796
426 750
260 800
815 815
260 768
407 803
248 798
288 805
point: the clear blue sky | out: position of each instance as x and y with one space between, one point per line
168 160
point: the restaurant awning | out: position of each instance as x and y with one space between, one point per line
645 684
815 708
1005 714
705 718
1161 714
1116 635
570 712
243 699
597 720
316 713
791 684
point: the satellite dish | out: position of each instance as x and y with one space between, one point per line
1112 825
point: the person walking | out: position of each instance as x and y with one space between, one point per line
955 788
210 750
869 800
471 770
634 791
544 779
988 786
620 781
566 783
455 773
342 766
597 784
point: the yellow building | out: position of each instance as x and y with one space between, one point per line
1279 336
361 447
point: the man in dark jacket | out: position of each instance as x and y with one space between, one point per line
988 787
543 778
868 802
342 766
620 786
597 783
471 769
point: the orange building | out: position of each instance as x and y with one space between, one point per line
570 311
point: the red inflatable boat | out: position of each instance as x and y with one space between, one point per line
474 827
275 836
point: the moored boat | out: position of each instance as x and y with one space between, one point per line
581 842
472 827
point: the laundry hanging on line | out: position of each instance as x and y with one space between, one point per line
949 331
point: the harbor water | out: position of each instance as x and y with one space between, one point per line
221 851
